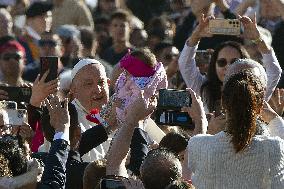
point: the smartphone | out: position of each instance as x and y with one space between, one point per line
174 118
109 183
18 94
172 99
49 63
17 117
222 26
8 105
202 57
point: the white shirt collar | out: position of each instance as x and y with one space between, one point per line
32 33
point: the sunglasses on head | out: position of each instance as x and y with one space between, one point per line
50 43
222 62
8 56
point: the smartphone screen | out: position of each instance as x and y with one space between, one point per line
17 117
112 184
172 99
174 118
18 94
49 63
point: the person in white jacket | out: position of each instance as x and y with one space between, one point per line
238 157
209 86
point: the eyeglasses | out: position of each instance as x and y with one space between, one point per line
50 43
222 62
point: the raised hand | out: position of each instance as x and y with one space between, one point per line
251 31
197 113
41 90
139 109
202 30
277 101
26 131
59 116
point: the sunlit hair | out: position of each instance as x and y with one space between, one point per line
242 98
4 167
211 89
145 55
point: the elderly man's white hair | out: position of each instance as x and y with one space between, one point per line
82 63
246 64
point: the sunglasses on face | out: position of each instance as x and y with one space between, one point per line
8 56
50 43
222 62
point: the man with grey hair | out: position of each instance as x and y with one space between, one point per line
89 90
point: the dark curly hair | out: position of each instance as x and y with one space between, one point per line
211 89
175 142
242 98
17 160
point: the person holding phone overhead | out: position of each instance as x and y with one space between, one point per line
209 86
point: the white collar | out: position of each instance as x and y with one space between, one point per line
79 105
32 33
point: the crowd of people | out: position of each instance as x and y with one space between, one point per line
96 124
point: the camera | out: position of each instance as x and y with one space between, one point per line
169 107
221 26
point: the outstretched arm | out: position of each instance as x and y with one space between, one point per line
121 143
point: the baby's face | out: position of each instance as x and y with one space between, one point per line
130 84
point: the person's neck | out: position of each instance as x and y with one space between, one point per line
12 80
87 53
120 46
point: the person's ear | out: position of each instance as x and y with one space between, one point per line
72 91
108 82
